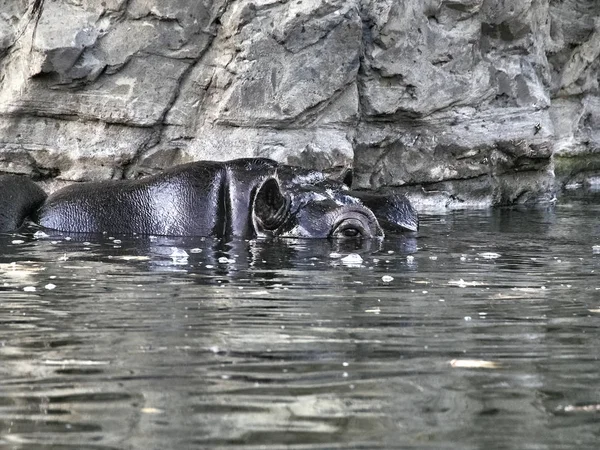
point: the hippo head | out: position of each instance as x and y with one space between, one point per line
314 210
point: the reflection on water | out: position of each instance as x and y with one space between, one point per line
481 332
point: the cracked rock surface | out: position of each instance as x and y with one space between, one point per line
458 103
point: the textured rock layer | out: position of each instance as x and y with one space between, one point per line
455 102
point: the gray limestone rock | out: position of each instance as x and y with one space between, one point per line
458 103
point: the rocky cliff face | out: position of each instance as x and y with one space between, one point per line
456 102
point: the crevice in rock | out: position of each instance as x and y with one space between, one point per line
125 8
302 121
35 13
37 8
157 18
128 167
310 115
45 173
336 18
362 76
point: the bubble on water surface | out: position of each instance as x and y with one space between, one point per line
474 364
489 255
352 259
257 293
594 408
462 283
74 362
132 258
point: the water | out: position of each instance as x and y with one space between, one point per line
482 332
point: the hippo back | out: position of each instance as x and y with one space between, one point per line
181 201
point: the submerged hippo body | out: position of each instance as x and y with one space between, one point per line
244 197
19 198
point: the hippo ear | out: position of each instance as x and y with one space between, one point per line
270 205
347 177
343 175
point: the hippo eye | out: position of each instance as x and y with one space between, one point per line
348 229
347 177
351 232
355 221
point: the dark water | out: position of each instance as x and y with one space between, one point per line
487 335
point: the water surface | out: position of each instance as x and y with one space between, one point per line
481 332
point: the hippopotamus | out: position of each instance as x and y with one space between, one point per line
18 197
247 198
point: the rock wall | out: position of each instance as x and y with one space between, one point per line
457 102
